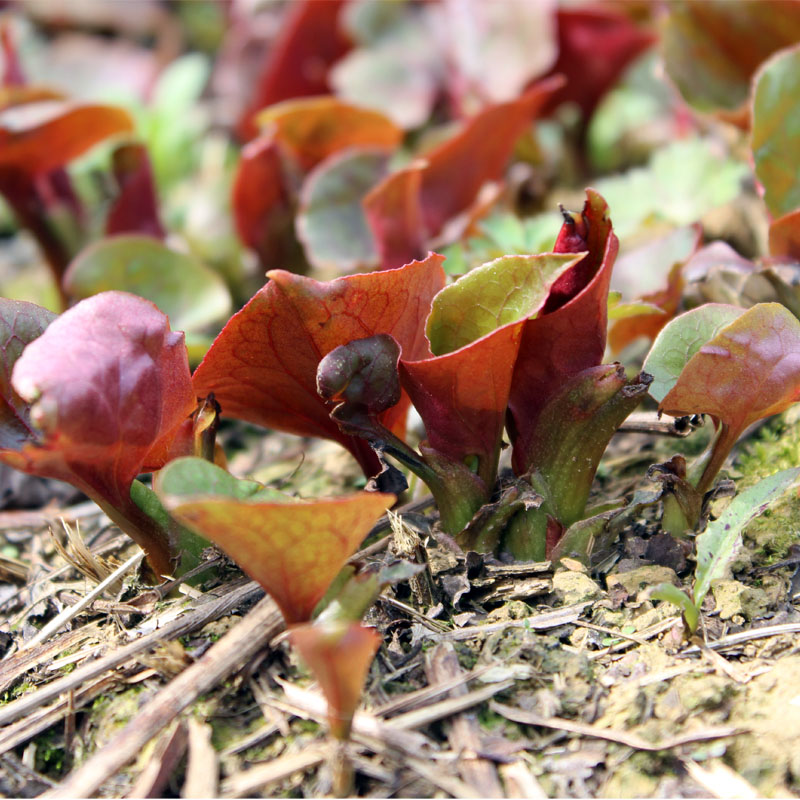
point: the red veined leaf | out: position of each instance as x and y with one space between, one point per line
262 367
108 386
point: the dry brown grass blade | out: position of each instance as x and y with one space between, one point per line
620 737
169 750
719 780
462 729
202 767
227 655
520 782
19 663
191 620
78 555
249 782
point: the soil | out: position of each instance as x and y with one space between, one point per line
493 679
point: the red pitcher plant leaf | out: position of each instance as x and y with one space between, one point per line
264 206
294 550
486 144
784 236
107 385
262 367
338 655
595 45
474 330
310 41
570 335
135 208
309 130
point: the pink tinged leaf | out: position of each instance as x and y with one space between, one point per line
135 208
474 329
310 130
712 50
748 371
557 345
595 45
485 144
108 384
262 367
263 207
776 127
310 42
394 216
294 550
20 324
339 656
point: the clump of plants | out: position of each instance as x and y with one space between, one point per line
346 208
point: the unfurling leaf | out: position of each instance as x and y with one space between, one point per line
339 655
294 550
135 208
570 335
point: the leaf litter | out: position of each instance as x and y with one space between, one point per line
575 683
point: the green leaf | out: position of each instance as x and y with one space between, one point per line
331 222
190 477
682 182
503 291
680 339
776 128
717 545
182 82
672 594
188 292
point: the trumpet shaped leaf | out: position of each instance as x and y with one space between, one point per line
311 129
570 335
339 656
263 366
294 550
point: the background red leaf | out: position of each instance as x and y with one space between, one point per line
135 208
310 41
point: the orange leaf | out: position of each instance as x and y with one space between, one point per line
312 129
339 656
38 137
294 550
